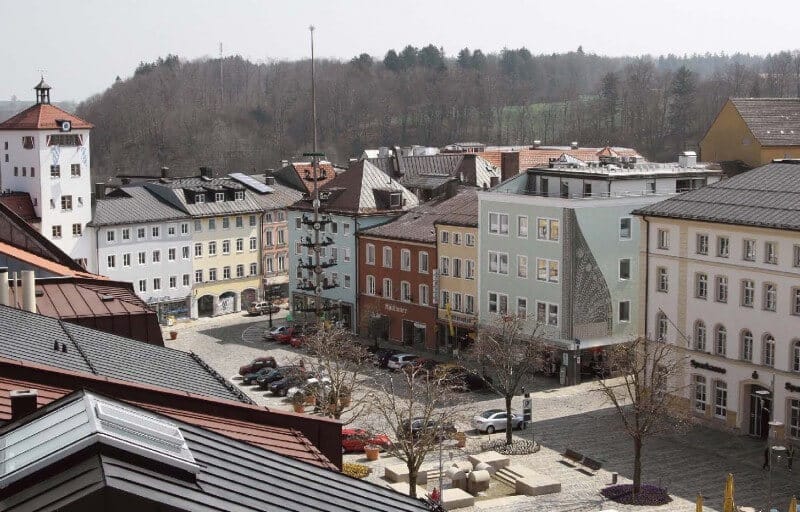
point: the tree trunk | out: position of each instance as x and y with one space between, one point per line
637 466
412 482
508 420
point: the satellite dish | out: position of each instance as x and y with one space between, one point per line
66 126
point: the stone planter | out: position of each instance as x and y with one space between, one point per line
372 452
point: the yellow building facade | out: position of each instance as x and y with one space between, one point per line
457 250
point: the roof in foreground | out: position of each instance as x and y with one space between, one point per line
773 121
179 465
87 350
768 196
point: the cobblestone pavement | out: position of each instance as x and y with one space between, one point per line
577 417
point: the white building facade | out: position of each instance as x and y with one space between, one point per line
721 277
46 154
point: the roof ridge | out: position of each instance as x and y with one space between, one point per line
222 380
61 323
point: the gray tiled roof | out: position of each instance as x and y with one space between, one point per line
31 337
768 196
173 193
281 197
773 121
133 204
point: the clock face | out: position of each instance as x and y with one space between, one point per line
66 126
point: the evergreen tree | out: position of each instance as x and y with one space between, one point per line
408 57
478 60
682 106
392 61
609 99
464 59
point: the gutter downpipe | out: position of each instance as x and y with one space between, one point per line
646 272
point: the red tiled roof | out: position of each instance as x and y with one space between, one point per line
43 116
304 169
21 204
229 418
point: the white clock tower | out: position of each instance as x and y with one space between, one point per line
44 152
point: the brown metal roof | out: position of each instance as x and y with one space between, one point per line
21 204
773 121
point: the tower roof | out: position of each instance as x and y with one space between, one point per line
42 85
43 116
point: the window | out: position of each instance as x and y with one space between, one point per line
796 256
170 230
662 327
142 285
498 303
625 228
625 311
346 228
547 229
66 203
75 170
748 293
699 393
749 250
720 399
171 254
157 284
546 313
240 245
770 296
405 259
56 230
239 221
768 350
721 286
663 239
387 257
405 291
219 196
212 248
27 142
226 222
370 285
346 253
155 232
723 246
662 279
334 227
281 237
445 300
239 271
198 250
470 265
771 253
156 256
522 226
746 352
226 247
456 238
469 304
702 244
444 266
456 267
212 274
77 230
445 237
253 269
423 294
347 281
795 308
498 263
111 236
142 258
126 260
498 223
298 223
173 281
522 266
370 254
185 279
700 335
701 286
281 263
268 239
469 240
239 195
112 261
794 418
522 307
140 233
184 228
624 269
200 198
423 263
253 243
796 355
212 223
55 171
198 276
720 340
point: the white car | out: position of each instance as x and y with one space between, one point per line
495 419
326 383
398 361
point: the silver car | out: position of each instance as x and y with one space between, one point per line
495 419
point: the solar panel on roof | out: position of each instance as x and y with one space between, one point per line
251 182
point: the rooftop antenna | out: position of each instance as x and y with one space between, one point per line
313 95
221 89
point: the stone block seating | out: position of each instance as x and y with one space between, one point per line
402 488
527 481
478 481
492 458
457 477
456 498
399 473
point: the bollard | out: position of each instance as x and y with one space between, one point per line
614 477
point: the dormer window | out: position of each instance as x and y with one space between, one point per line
200 198
240 195
219 196
395 200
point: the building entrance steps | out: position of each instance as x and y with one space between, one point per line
527 481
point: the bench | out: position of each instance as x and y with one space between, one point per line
578 458
591 464
572 455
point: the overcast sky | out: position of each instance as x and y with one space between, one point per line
84 44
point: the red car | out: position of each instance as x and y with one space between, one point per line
258 363
355 439
286 337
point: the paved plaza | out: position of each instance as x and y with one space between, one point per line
692 462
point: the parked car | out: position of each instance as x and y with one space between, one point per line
461 379
297 341
355 439
258 363
277 374
252 377
286 336
495 419
398 361
275 331
281 387
325 382
261 308
382 356
418 427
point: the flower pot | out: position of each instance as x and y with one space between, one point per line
299 408
372 452
461 439
173 335
311 400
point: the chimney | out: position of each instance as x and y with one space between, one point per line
29 291
269 180
206 172
509 164
99 191
23 402
165 172
4 297
284 163
126 181
574 144
494 181
687 159
536 144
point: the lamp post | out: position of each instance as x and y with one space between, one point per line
577 361
774 425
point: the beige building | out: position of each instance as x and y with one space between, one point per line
721 278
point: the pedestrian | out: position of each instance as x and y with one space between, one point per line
435 495
766 458
790 456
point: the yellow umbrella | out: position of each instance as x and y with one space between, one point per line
699 506
793 505
727 505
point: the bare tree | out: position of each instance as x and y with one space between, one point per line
650 399
507 352
416 407
339 361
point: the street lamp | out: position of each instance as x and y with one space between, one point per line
577 360
774 425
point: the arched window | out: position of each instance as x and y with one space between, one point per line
796 355
661 326
746 352
720 340
700 335
768 350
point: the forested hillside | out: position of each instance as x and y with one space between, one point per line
234 114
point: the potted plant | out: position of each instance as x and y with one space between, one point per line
311 392
298 402
173 335
372 451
